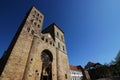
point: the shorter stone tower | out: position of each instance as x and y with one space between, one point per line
35 54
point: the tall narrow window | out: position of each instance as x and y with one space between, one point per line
32 32
42 37
40 21
62 37
38 14
50 42
32 20
57 34
38 26
65 76
35 23
28 29
46 40
63 48
36 18
33 15
35 12
36 71
58 45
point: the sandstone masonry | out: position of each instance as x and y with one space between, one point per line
35 54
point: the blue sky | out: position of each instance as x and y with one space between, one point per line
91 27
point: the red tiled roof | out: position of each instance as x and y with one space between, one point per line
75 67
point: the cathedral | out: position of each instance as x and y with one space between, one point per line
36 54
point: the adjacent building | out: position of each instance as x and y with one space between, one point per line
92 65
92 69
76 72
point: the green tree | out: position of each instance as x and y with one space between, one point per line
115 68
117 59
102 71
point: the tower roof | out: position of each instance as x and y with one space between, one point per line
51 25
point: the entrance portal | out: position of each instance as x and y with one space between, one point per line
46 58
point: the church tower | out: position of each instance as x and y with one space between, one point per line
35 54
61 53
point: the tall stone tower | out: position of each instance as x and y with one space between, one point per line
35 54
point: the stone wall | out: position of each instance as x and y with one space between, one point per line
18 57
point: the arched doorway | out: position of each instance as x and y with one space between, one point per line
47 59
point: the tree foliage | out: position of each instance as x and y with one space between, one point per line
107 70
117 59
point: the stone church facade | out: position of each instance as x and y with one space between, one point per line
35 54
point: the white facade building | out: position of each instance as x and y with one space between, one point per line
76 73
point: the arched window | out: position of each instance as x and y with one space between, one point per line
46 56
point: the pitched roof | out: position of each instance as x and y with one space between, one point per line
77 68
52 25
90 64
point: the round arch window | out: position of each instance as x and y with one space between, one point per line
46 56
